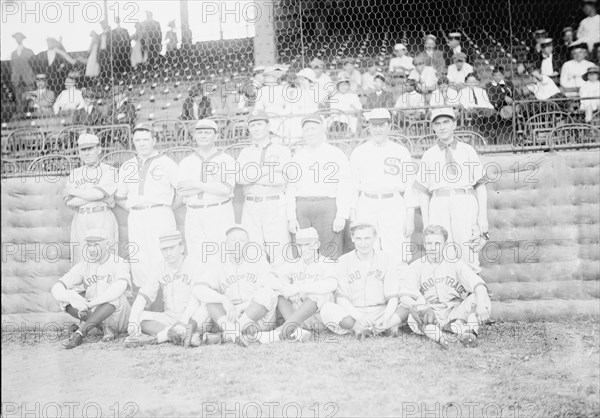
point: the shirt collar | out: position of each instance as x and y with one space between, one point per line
451 144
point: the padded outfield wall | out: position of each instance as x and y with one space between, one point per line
542 261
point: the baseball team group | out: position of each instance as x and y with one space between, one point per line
284 273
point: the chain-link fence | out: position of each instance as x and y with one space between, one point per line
339 58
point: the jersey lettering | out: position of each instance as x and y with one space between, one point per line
391 166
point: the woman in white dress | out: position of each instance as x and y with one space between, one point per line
136 50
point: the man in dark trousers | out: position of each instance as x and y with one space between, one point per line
21 76
152 38
121 49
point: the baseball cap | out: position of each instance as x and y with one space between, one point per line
307 73
359 223
87 140
540 33
546 42
443 111
567 29
257 115
238 227
313 117
207 124
342 80
169 238
398 47
96 235
142 127
40 77
317 63
379 115
430 36
306 236
276 68
461 56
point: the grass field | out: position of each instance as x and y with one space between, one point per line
524 369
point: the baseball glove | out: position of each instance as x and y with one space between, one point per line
177 333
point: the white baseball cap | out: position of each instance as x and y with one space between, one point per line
307 73
443 111
398 47
379 115
207 124
169 239
87 140
306 236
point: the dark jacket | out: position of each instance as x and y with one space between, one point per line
20 68
436 61
449 54
204 109
498 92
124 115
81 117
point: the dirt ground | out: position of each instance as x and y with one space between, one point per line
526 369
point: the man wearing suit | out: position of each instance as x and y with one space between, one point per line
197 106
56 64
22 76
88 115
548 61
379 97
121 47
432 56
152 38
454 47
121 111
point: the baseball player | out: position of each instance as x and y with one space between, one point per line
307 283
321 193
147 190
238 289
206 182
90 192
383 175
367 293
443 294
452 189
260 170
175 280
94 290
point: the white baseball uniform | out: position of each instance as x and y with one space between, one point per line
96 214
264 214
453 203
366 284
95 279
149 188
208 215
383 176
448 288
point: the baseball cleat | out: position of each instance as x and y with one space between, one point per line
363 334
141 340
301 335
211 338
74 341
108 334
468 339
196 340
443 344
240 341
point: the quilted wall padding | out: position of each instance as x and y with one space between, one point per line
543 260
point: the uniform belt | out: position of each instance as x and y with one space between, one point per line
148 206
209 205
314 197
451 192
380 195
93 210
262 198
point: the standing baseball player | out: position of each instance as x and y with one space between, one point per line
206 182
260 170
93 291
383 176
452 189
307 283
175 280
237 288
90 192
367 292
443 294
147 190
320 197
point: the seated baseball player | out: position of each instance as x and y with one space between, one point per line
94 290
367 292
306 284
182 313
238 289
444 294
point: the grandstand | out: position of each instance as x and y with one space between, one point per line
499 33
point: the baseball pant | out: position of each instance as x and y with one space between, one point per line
145 227
316 320
447 315
168 319
320 214
266 222
389 217
119 320
206 227
332 314
458 214
83 222
268 299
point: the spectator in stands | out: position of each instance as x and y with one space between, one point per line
457 72
548 61
302 100
539 37
573 70
92 64
501 92
431 56
411 102
89 114
21 74
352 74
596 56
152 38
137 55
271 97
401 62
324 84
348 102
121 49
425 76
379 97
69 100
40 100
55 63
589 28
120 111
446 94
590 92
104 51
562 50
542 87
476 102
368 78
171 46
196 106
454 47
